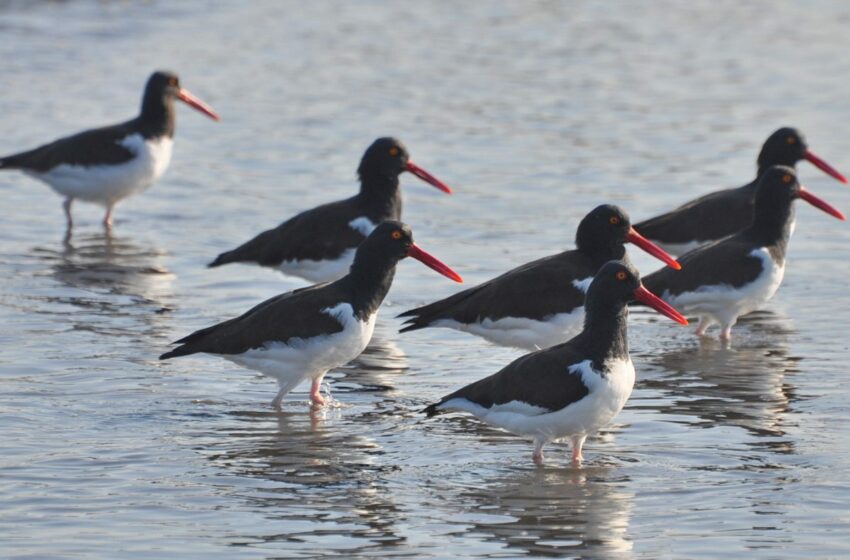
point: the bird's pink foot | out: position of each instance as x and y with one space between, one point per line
316 398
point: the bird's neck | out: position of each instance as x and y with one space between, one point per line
605 333
380 195
771 226
368 284
600 253
157 116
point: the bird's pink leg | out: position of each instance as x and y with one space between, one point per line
66 205
278 399
578 442
315 393
107 219
537 455
704 323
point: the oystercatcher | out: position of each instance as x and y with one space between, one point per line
718 214
302 334
106 165
574 388
541 303
731 277
319 244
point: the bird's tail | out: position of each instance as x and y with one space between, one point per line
223 258
431 410
177 352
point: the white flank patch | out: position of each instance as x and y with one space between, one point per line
605 399
362 224
723 304
583 285
320 271
299 359
107 184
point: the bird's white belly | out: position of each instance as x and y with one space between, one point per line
522 332
319 271
724 303
107 184
605 399
299 359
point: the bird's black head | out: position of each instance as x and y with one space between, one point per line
602 233
160 92
386 159
777 188
617 283
786 147
606 225
163 85
390 242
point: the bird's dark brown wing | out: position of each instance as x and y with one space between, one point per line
542 379
726 262
98 146
318 234
297 314
534 290
713 216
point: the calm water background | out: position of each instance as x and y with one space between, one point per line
535 113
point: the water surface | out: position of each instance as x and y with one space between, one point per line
535 113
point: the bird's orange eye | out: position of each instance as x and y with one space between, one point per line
621 275
791 140
614 220
396 234
787 179
172 81
394 151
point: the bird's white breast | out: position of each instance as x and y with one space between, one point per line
108 183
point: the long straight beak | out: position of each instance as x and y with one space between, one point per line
427 177
195 103
807 195
824 166
433 262
634 237
646 297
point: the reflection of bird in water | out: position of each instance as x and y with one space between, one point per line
106 279
313 481
744 387
552 512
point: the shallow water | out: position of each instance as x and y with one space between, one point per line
535 113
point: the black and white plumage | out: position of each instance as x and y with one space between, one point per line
302 334
105 165
541 303
571 389
319 244
728 278
722 213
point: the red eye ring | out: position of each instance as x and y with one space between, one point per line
614 220
396 234
394 151
791 140
621 275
